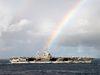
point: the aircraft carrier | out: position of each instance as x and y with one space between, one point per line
46 57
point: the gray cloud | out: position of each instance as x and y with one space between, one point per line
26 26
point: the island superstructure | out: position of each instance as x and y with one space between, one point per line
45 57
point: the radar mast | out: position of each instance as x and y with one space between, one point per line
46 50
37 54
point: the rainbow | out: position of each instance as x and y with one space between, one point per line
65 22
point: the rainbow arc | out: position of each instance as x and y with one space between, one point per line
69 16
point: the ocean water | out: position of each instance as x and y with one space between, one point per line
6 68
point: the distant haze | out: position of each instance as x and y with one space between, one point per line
27 25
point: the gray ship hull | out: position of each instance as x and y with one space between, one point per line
55 62
52 60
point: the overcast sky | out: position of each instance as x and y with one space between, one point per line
27 25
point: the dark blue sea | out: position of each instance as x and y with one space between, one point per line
6 68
